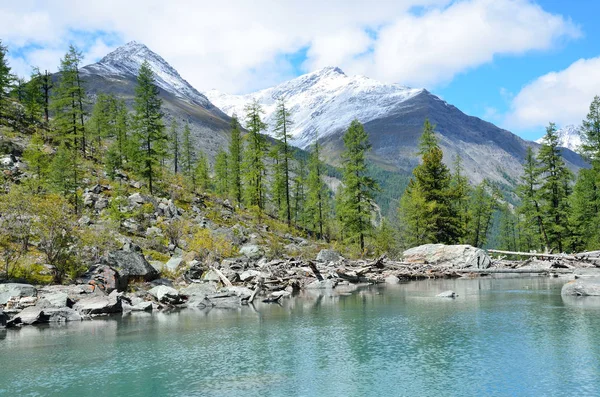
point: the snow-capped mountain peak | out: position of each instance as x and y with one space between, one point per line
568 137
127 60
322 102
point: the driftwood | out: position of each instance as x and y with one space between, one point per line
508 271
259 286
316 271
225 280
272 299
538 255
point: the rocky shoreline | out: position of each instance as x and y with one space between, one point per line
126 282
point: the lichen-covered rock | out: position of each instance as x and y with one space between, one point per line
451 256
252 251
106 278
590 287
131 264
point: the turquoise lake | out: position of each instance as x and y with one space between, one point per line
500 337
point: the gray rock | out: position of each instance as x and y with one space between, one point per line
249 275
173 264
328 256
211 275
166 294
145 306
447 294
106 278
55 300
451 256
154 232
589 287
10 290
252 251
62 314
242 292
100 305
195 271
132 265
225 301
587 272
101 203
136 199
323 284
199 289
29 316
392 280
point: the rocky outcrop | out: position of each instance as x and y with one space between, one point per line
131 265
29 316
16 290
450 256
166 294
589 287
328 256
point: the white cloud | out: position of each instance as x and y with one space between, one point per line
237 46
562 97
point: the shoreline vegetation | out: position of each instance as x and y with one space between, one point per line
109 206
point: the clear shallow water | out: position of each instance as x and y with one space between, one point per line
499 337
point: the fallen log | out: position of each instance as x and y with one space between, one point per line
316 271
225 280
508 271
538 255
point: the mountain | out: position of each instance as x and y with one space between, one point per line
569 137
116 74
324 102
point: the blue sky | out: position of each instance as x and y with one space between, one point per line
517 63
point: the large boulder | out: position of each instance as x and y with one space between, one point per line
173 263
252 251
10 290
590 287
105 278
100 304
28 316
62 314
131 265
328 256
55 300
451 256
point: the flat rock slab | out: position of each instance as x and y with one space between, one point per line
451 256
55 300
166 294
62 314
588 287
28 316
10 290
323 284
99 305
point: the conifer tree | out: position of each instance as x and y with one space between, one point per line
590 131
235 161
188 157
358 189
148 124
6 80
316 207
300 193
68 100
253 158
202 172
278 182
533 231
221 174
174 138
33 97
429 210
460 192
554 190
64 173
38 161
46 86
283 123
481 209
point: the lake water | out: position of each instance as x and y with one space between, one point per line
499 337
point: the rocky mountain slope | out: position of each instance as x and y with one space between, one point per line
569 138
116 74
324 102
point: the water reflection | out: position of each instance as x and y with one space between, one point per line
500 336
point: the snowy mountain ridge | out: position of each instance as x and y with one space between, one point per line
127 60
322 102
568 137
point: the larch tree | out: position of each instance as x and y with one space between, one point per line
174 145
235 161
202 172
316 206
188 156
253 158
6 80
148 124
283 124
358 187
554 190
221 174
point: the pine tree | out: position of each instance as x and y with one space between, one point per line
188 156
235 161
358 189
590 131
174 138
253 158
148 124
533 231
316 207
68 100
6 80
481 209
460 192
33 97
46 85
221 174
554 190
202 172
283 123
